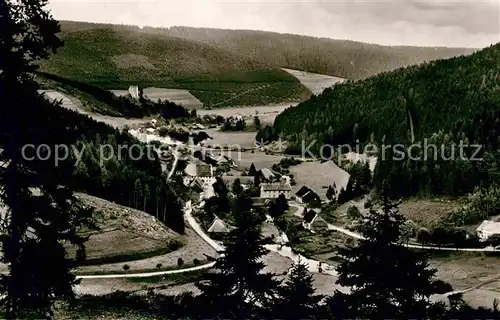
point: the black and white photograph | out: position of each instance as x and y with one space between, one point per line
249 159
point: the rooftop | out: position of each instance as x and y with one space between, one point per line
302 191
276 187
219 226
267 173
243 179
489 227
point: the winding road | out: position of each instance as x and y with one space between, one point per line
356 235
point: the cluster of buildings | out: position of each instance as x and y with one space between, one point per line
202 176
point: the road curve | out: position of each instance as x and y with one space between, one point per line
413 246
146 274
356 235
174 165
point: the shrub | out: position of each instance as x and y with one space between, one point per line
163 131
159 265
353 213
180 262
126 267
441 287
368 204
196 262
494 240
423 235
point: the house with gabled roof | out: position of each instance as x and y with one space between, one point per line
306 195
311 218
202 171
266 174
273 190
219 226
488 228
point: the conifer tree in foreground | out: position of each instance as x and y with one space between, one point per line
297 299
239 288
41 211
386 280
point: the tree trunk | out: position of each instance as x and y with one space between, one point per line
157 207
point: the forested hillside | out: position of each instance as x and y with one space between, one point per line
125 177
115 56
341 58
445 101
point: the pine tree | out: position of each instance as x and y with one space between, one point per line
387 280
239 288
297 299
279 207
237 188
330 193
256 122
41 211
147 196
137 192
252 171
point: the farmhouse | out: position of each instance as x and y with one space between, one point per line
273 190
219 226
266 175
134 92
312 220
487 229
306 195
203 172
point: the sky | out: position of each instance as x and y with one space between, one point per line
473 24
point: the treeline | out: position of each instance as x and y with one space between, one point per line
115 166
126 105
441 104
347 59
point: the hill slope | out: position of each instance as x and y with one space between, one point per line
447 101
341 58
114 57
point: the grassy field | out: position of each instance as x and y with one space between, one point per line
125 234
115 57
313 81
427 212
317 176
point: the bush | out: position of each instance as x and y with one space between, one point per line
159 265
368 204
196 262
494 240
126 267
180 262
353 213
441 287
423 235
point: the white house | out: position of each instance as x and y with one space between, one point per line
487 229
273 190
134 91
203 172
219 226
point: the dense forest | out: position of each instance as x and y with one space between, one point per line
442 103
341 58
